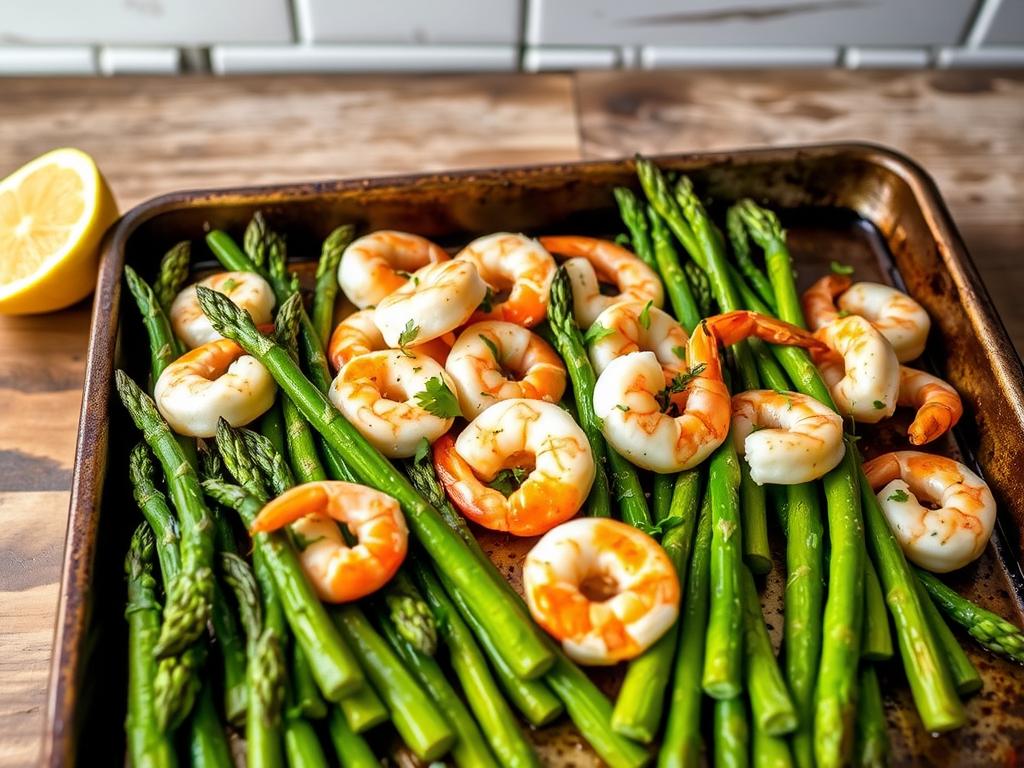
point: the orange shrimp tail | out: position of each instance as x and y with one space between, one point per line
939 414
818 301
881 470
600 253
732 327
290 506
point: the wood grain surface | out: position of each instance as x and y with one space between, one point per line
151 136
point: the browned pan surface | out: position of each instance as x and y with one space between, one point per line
859 205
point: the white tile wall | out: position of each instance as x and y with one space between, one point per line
239 59
139 61
747 22
133 22
706 57
28 60
409 21
1007 25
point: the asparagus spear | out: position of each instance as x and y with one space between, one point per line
770 702
147 742
207 741
191 593
256 239
680 294
302 745
965 676
410 615
519 640
923 659
723 654
639 706
876 644
754 522
352 750
872 739
586 706
988 628
569 343
333 665
265 667
173 274
327 280
418 722
769 751
740 243
163 346
496 719
731 733
681 744
306 696
470 749
631 211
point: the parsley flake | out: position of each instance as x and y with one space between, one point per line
487 305
678 384
228 285
645 315
491 346
899 495
622 407
839 268
422 450
408 336
507 481
595 333
679 352
658 530
302 543
438 399
878 404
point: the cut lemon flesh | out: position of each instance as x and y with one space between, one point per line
53 213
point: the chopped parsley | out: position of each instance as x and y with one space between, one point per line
899 495
303 542
408 276
229 285
491 346
422 450
595 333
678 384
487 305
623 239
679 352
438 399
408 336
839 268
622 407
658 530
878 404
645 315
508 481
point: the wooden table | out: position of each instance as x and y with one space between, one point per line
153 135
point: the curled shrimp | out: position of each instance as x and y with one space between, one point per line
338 572
521 434
603 588
786 437
633 394
860 368
633 326
518 264
492 361
214 381
955 531
246 289
378 264
899 318
385 394
593 261
358 334
938 405
437 299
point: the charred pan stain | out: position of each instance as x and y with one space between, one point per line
743 14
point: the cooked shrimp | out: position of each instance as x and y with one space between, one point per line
606 590
382 394
594 261
518 434
953 533
338 572
938 405
358 334
437 300
518 264
212 381
633 393
378 264
786 437
633 326
494 361
859 367
899 318
247 289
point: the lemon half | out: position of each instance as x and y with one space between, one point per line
53 213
